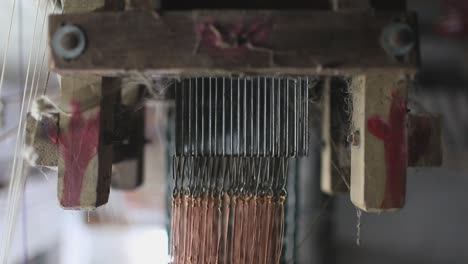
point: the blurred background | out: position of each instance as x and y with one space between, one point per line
132 228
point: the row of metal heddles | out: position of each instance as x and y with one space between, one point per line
248 116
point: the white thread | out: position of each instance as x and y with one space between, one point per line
37 57
17 178
358 226
6 46
44 53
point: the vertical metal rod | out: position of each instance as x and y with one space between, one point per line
231 101
210 139
258 115
238 118
272 113
203 115
190 117
178 118
224 117
287 116
216 117
252 137
279 116
307 117
197 105
300 118
183 115
245 116
264 115
295 117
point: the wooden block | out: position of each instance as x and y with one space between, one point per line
82 6
85 158
210 43
424 140
336 154
38 140
379 149
129 142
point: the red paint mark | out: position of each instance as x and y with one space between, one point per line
455 21
78 146
419 138
233 40
393 134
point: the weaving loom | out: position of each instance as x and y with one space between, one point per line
243 78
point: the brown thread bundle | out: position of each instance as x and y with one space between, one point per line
228 210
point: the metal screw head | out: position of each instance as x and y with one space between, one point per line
69 42
398 39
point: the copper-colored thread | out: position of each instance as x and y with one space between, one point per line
240 228
272 231
196 241
233 230
178 231
223 229
253 231
203 229
189 230
171 245
245 230
267 230
279 247
208 232
210 235
248 227
174 229
260 228
227 207
184 230
219 224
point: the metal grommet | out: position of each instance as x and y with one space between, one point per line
398 39
69 42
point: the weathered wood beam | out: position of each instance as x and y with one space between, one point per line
245 4
229 42
379 157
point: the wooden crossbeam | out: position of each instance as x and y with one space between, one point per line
228 42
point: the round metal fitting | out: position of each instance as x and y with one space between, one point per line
69 42
398 39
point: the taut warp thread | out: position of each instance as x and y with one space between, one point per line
228 210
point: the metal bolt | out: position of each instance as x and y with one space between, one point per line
69 42
398 39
